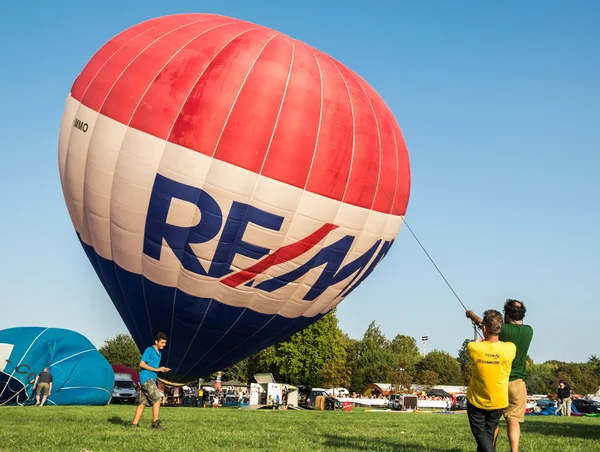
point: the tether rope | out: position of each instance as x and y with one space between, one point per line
475 326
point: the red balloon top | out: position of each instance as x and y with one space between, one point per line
253 97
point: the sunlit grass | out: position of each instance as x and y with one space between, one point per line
189 429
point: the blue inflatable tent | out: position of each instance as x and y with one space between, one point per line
81 375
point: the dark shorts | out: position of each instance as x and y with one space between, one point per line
483 425
149 394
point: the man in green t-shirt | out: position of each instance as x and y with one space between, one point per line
514 331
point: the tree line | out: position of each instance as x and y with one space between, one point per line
322 355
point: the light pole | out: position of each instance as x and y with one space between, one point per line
400 370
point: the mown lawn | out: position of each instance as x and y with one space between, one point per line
189 429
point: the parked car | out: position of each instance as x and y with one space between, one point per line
461 403
587 406
331 403
124 390
309 401
395 402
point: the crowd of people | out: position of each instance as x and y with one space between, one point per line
203 396
372 396
436 398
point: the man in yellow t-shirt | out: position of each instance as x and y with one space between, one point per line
487 395
201 397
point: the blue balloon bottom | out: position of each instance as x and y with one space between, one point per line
204 334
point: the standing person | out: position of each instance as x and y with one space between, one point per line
487 396
149 394
566 393
284 397
201 397
564 397
521 335
559 400
43 383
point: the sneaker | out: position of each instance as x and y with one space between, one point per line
135 425
156 424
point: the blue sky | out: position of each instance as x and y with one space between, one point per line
499 105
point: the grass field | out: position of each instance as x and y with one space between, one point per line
189 429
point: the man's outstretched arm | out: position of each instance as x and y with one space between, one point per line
474 317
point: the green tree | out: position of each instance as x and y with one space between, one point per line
541 378
594 363
405 352
588 382
262 362
374 366
429 379
562 376
536 385
374 360
336 374
237 371
352 347
464 360
401 379
122 350
373 339
463 355
301 358
444 365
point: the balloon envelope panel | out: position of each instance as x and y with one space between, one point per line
81 375
229 184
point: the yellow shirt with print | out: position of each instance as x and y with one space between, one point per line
491 363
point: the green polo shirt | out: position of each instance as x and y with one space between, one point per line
521 336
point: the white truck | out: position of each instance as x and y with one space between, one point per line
124 390
403 402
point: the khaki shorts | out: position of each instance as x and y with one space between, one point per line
45 387
149 394
517 401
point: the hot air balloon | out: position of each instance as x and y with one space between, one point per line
81 375
229 184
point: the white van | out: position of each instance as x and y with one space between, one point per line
124 390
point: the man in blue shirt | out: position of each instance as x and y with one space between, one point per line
149 394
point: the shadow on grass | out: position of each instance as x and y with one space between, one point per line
362 443
116 420
569 429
